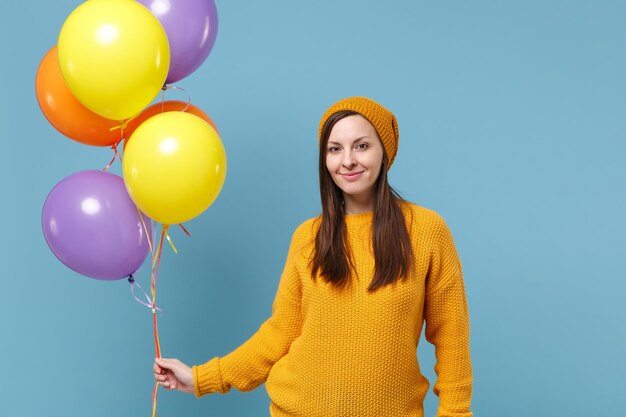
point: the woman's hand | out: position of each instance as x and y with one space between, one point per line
173 374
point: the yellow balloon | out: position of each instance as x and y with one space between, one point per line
114 56
174 166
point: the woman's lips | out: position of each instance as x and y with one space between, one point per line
352 176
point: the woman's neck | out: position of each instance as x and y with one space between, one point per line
355 204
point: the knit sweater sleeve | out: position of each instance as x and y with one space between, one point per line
447 326
248 366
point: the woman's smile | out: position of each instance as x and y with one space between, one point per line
352 176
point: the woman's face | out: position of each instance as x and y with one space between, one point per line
354 157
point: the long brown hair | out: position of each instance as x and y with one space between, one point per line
393 251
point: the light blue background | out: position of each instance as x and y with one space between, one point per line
512 121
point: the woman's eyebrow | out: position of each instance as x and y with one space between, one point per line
354 141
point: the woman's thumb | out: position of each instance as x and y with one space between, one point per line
163 363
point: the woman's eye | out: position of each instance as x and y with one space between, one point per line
333 149
361 146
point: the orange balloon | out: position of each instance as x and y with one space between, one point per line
65 112
161 107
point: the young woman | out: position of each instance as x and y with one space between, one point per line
359 282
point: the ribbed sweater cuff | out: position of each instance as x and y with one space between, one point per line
207 378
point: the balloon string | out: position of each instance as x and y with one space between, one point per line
151 302
154 281
154 235
145 229
133 283
156 266
170 242
156 335
185 230
174 87
156 263
155 392
115 155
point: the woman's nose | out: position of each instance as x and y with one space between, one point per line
348 160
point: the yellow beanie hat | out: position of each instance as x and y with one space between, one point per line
382 119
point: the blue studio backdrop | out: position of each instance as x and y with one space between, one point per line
512 127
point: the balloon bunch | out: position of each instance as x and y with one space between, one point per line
113 58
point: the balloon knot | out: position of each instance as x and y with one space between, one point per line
131 279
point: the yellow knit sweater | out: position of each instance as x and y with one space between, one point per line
326 352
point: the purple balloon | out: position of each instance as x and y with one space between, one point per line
93 227
191 27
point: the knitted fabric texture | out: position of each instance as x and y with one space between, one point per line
328 352
382 119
